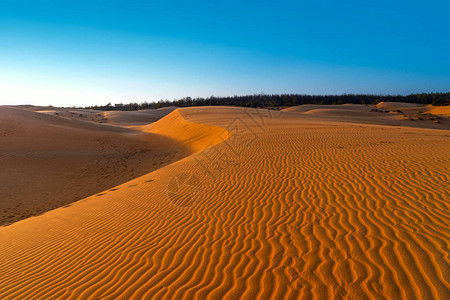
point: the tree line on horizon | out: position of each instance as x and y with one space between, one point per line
281 100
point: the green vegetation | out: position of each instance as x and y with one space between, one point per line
285 100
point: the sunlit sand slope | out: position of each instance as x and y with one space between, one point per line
441 110
285 208
192 135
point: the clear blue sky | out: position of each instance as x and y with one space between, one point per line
95 52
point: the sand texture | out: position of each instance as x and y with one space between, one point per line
268 205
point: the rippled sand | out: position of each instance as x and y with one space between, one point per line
271 205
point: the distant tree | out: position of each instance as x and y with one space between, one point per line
277 101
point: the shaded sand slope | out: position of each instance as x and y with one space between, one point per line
140 117
49 161
121 118
286 208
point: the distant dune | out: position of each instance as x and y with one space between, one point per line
440 110
384 113
141 117
123 118
397 105
307 203
309 107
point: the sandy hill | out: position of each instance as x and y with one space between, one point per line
49 161
440 110
191 135
384 113
311 107
120 118
140 117
272 205
399 105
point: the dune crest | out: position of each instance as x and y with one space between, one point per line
193 135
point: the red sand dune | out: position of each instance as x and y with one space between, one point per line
270 205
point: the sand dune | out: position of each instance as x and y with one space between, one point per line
384 113
397 105
140 117
192 135
50 161
272 205
121 118
440 110
310 107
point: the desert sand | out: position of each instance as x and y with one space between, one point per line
123 118
384 113
53 160
258 204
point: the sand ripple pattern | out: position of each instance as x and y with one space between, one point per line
285 208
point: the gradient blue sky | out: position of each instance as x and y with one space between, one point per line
94 52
